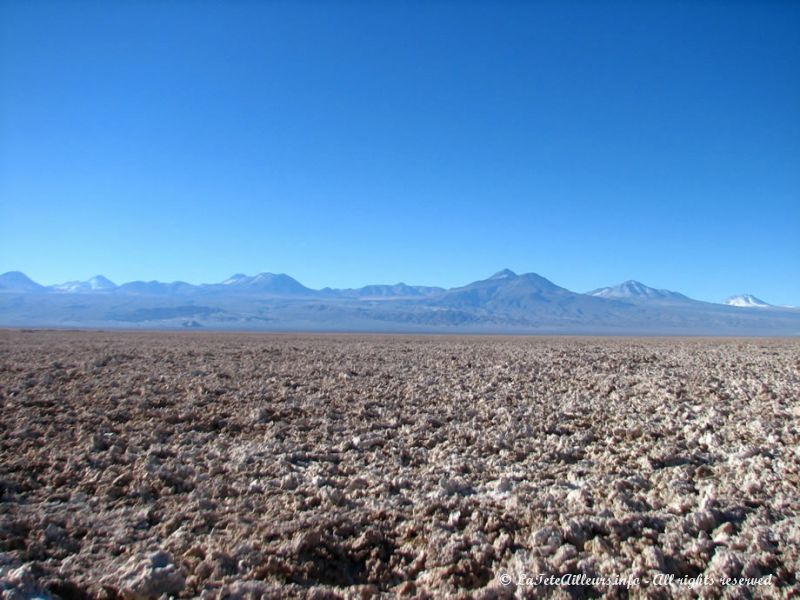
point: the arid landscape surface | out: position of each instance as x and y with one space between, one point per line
141 465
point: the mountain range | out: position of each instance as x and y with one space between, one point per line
503 303
636 292
746 300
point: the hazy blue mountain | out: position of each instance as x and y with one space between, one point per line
529 294
398 290
746 301
503 303
265 283
504 286
16 281
156 288
635 291
98 283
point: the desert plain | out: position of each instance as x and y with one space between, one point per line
146 465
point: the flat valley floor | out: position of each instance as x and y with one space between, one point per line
142 465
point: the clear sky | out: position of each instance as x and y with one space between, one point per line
347 143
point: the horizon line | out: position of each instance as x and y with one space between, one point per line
505 272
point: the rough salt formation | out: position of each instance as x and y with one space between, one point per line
246 466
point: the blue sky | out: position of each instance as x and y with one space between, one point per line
434 143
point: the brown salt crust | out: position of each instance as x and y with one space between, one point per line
142 465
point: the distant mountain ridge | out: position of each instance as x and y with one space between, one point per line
503 282
270 283
747 301
17 281
397 290
635 290
96 283
504 302
278 284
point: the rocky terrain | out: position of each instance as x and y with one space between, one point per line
142 465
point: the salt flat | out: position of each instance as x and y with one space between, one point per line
233 465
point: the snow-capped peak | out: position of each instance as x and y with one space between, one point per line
265 277
242 279
746 301
504 274
234 279
98 283
635 290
